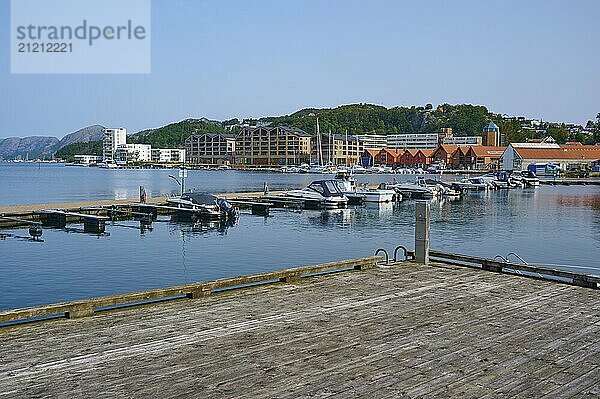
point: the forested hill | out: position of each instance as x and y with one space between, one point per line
174 134
465 120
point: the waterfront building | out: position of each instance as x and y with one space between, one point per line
113 138
128 153
272 146
345 149
413 141
518 156
373 141
387 156
367 157
462 140
88 159
482 157
168 155
210 148
443 154
415 158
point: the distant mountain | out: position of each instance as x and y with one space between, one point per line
28 147
85 135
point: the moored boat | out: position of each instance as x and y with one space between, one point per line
323 193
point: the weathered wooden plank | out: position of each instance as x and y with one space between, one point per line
196 290
428 331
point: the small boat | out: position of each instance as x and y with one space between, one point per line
472 184
528 177
444 188
323 193
210 206
357 169
347 185
418 189
107 165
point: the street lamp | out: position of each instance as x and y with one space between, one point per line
182 176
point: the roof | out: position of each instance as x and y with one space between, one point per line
427 153
490 127
225 135
584 152
371 152
487 151
393 152
535 145
449 148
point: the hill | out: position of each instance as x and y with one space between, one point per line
28 147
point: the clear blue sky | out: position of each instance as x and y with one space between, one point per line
224 59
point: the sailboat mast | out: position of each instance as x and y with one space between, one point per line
329 149
320 149
347 148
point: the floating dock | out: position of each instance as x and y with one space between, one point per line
394 330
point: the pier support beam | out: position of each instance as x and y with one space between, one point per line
199 293
78 311
422 222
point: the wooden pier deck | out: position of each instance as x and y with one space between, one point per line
403 331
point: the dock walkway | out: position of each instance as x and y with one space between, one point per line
400 331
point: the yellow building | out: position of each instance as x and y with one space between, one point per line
345 150
272 146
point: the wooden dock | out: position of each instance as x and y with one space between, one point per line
395 331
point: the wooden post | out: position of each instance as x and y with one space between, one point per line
422 223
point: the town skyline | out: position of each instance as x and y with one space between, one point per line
222 60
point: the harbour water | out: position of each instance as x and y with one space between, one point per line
549 225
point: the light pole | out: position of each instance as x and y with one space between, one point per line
182 176
178 182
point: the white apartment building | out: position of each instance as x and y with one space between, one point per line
410 141
462 140
175 155
373 141
112 139
127 153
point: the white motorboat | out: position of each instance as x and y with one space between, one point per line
324 193
355 194
358 169
473 184
528 177
418 189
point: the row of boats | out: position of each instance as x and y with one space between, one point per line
343 190
353 170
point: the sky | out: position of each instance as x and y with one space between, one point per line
226 59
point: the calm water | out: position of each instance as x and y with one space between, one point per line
26 183
557 225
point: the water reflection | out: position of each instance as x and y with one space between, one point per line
556 225
200 227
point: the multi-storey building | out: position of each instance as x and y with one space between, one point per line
128 153
412 141
210 148
462 140
112 139
373 141
272 146
345 149
168 155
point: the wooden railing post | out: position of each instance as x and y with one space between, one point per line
422 224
